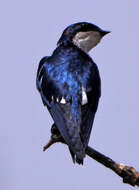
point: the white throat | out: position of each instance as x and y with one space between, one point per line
87 40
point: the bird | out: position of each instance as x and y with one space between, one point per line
70 86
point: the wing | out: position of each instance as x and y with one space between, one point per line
53 84
88 110
39 78
88 115
40 72
69 129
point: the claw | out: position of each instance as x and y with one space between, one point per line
51 141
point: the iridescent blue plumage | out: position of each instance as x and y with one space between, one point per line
62 80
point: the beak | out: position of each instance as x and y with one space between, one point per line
103 33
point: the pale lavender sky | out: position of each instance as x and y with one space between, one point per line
29 31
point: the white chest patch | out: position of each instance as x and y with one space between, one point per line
84 96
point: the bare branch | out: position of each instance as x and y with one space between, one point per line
129 174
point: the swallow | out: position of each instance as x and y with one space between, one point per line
70 86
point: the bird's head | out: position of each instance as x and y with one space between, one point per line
84 35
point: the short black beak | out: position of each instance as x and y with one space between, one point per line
105 32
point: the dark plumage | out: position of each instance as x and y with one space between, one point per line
69 84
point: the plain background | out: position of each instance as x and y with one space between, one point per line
29 30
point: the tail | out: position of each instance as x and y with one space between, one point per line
69 129
77 158
78 150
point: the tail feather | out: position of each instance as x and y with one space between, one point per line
79 161
69 129
76 158
72 155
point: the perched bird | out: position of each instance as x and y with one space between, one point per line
70 86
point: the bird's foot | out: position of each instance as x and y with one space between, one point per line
55 137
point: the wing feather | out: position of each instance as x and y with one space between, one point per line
67 77
68 127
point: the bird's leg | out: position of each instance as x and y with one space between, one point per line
129 174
